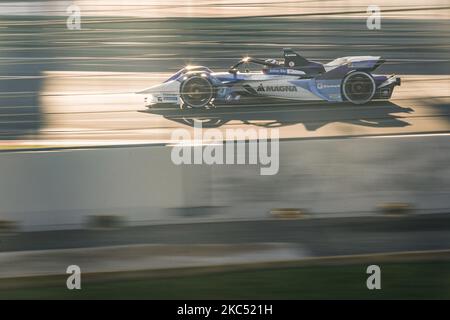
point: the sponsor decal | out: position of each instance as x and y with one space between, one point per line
250 89
321 85
291 64
169 97
277 71
261 88
297 72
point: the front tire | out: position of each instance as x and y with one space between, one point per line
197 91
358 87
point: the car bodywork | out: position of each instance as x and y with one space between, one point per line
294 78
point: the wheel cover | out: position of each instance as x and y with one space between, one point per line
197 91
358 87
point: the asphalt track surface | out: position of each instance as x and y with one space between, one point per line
64 85
127 120
319 237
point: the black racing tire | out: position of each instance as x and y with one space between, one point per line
358 87
197 91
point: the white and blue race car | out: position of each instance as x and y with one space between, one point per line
294 78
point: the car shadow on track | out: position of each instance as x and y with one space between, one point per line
312 115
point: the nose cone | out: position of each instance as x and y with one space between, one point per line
153 89
171 87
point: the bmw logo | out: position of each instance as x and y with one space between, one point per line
291 63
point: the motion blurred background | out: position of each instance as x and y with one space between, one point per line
87 177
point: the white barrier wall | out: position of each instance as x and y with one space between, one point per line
345 176
55 190
46 190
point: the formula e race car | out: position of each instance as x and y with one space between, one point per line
294 78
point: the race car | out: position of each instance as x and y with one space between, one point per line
293 78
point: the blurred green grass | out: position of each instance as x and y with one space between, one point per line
412 280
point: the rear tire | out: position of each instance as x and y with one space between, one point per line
358 87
